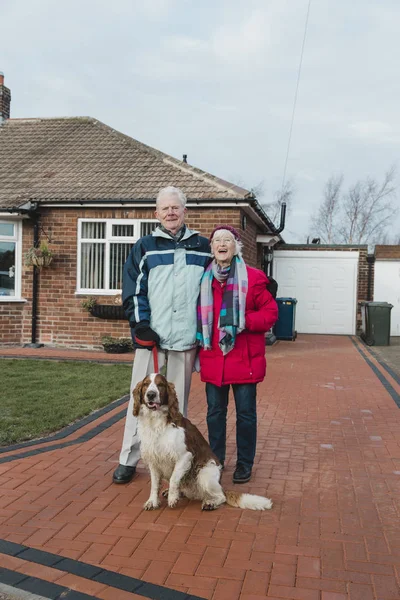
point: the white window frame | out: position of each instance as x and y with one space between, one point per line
17 238
109 239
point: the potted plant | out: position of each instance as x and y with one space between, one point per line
39 256
89 303
105 311
116 345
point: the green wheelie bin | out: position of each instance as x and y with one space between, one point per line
376 323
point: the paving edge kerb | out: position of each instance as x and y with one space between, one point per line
11 593
71 566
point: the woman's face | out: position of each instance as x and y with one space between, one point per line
223 246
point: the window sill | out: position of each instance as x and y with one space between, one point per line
11 299
98 293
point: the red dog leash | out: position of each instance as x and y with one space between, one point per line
152 345
155 358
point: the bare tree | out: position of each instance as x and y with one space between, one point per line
390 240
324 222
273 209
369 210
361 215
258 190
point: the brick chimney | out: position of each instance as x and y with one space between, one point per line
5 100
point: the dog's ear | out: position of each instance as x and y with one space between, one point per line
173 404
137 398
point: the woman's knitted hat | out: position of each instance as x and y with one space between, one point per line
233 231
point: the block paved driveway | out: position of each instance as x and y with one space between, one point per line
328 455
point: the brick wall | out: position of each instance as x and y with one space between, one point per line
387 252
11 316
362 284
251 251
61 319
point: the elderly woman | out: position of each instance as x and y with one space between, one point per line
235 311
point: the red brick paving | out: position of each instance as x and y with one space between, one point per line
328 455
63 354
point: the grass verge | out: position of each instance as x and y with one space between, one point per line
41 397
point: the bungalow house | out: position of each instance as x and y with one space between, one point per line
88 192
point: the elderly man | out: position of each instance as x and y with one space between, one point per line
161 285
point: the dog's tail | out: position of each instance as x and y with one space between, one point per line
250 501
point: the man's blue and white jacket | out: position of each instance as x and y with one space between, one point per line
161 285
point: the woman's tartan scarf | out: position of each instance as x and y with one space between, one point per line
232 316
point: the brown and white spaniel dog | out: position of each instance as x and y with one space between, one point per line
174 450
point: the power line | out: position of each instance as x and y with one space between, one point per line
295 95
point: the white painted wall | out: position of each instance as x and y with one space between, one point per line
387 289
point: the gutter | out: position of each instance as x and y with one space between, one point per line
123 201
245 202
275 230
29 208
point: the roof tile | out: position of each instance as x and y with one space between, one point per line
80 158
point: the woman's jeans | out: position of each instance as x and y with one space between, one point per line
246 420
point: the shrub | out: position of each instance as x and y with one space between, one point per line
116 345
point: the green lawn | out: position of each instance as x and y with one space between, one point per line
38 397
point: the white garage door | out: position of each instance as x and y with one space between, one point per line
325 286
387 289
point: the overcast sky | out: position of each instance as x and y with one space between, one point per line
215 79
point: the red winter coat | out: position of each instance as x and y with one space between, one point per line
245 363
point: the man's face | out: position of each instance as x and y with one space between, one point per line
170 212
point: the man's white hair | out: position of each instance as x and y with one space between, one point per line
172 190
238 243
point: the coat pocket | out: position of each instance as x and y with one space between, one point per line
256 344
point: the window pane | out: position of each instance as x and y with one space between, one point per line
94 231
122 231
147 228
118 255
7 269
92 266
7 229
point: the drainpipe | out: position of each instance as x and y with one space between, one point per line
283 218
35 283
270 338
277 231
267 260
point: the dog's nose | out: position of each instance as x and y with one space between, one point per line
151 395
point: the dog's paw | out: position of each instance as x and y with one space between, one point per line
165 494
208 506
172 500
150 505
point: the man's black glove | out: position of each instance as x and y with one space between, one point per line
144 333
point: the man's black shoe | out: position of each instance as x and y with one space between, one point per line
123 474
242 474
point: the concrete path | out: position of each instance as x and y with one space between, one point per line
328 455
390 355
